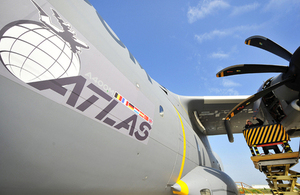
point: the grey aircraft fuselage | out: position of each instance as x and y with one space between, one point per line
79 115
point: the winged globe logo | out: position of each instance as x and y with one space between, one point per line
37 51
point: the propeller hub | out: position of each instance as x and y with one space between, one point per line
294 71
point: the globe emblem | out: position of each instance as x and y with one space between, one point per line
32 52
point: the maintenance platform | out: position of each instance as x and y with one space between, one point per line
277 167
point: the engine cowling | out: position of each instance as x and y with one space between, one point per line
205 181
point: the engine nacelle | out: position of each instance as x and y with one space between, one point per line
205 181
292 119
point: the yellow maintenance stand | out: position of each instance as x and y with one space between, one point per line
276 167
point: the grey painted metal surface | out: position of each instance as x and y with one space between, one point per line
79 115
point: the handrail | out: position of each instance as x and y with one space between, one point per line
249 187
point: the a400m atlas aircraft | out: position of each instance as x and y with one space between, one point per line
79 115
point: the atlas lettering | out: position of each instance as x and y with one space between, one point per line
93 95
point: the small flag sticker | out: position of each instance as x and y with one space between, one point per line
132 107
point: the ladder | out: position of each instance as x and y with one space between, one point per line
276 167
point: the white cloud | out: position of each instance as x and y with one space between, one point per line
229 83
226 32
222 55
281 5
237 10
219 55
211 35
205 8
227 88
222 91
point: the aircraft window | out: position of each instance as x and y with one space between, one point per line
161 111
205 192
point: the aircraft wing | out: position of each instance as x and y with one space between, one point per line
208 113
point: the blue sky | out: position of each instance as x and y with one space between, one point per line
183 44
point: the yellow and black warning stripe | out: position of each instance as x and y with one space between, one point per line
265 135
247 42
221 74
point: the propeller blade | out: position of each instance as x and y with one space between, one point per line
251 68
256 106
295 61
298 153
268 45
294 69
255 97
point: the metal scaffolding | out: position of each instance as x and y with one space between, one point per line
277 167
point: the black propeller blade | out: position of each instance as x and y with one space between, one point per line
295 61
247 102
268 45
251 68
289 76
294 70
298 153
255 97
